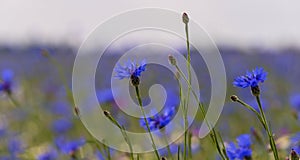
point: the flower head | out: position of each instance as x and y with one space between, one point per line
131 68
242 151
251 79
159 121
6 81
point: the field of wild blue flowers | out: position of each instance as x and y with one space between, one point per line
39 120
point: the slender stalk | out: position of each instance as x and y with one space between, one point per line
213 132
128 142
253 110
178 152
108 153
190 146
145 119
270 134
68 90
166 141
123 131
189 90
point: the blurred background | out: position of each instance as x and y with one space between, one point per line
247 33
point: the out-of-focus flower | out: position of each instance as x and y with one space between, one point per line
159 121
295 101
105 95
295 142
243 151
61 108
15 147
6 81
99 156
131 68
61 125
3 127
244 141
51 154
69 147
251 79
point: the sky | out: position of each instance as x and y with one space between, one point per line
229 22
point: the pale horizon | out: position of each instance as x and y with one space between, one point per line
237 23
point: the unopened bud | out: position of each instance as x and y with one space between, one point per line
294 155
135 80
234 98
107 113
255 90
172 60
185 18
76 110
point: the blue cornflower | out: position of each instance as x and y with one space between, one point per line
131 68
69 147
61 125
51 154
251 79
159 121
242 151
6 81
244 141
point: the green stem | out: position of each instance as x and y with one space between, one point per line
203 112
124 134
178 152
145 119
166 141
253 110
270 134
190 146
189 90
69 94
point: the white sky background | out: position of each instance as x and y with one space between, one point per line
231 22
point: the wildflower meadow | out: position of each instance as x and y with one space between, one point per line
40 118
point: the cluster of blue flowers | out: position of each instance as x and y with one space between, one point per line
62 124
243 149
159 121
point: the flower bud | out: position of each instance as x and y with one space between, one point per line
135 81
294 155
255 90
107 113
76 110
234 98
172 60
185 18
